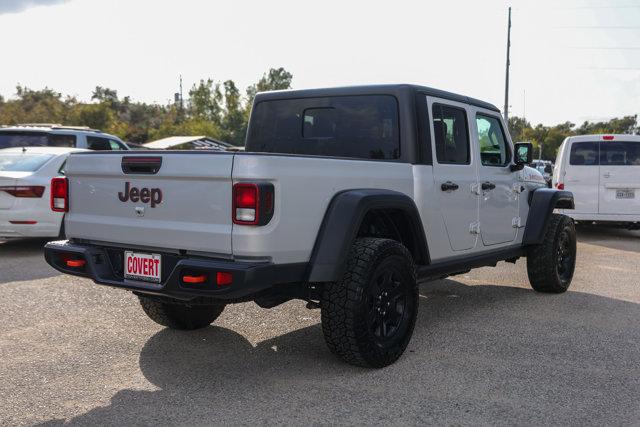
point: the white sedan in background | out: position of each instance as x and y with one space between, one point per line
25 179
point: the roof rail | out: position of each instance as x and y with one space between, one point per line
39 125
54 126
87 128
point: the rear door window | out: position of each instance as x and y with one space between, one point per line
363 127
584 154
59 140
451 134
620 153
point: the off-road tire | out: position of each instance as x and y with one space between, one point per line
550 265
348 319
180 316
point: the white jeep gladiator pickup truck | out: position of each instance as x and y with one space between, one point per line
346 198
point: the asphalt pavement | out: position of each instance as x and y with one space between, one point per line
486 350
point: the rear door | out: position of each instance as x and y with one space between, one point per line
619 177
582 175
185 204
454 171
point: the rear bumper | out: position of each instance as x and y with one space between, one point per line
102 266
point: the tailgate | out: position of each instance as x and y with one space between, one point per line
185 205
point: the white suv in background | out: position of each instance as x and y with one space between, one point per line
53 135
603 173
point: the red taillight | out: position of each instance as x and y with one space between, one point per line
32 191
223 278
560 185
607 137
60 195
252 203
245 204
24 222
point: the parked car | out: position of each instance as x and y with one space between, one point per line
25 179
52 135
346 198
603 173
545 167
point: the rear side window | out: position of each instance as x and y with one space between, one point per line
584 154
23 162
23 139
451 134
35 139
620 153
364 127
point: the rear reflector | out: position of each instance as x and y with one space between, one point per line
194 279
223 278
607 137
75 263
60 195
24 222
560 185
32 191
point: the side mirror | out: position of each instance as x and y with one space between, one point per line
523 155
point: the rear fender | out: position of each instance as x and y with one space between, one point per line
342 221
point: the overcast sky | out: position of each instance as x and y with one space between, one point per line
571 60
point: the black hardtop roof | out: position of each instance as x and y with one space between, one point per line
391 89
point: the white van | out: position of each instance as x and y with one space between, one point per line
603 173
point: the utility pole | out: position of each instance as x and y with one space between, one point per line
181 99
506 84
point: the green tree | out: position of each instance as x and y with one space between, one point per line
233 122
105 95
204 101
274 79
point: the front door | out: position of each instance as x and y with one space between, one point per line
497 183
454 170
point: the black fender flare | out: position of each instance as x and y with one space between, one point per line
342 221
542 202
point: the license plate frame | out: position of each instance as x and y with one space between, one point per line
142 266
625 194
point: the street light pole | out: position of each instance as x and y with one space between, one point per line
506 84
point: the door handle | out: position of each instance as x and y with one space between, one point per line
449 186
607 175
488 185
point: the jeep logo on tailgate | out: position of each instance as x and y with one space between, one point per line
144 195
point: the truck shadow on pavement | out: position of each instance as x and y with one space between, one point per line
479 354
22 260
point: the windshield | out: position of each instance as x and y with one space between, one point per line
35 139
23 162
